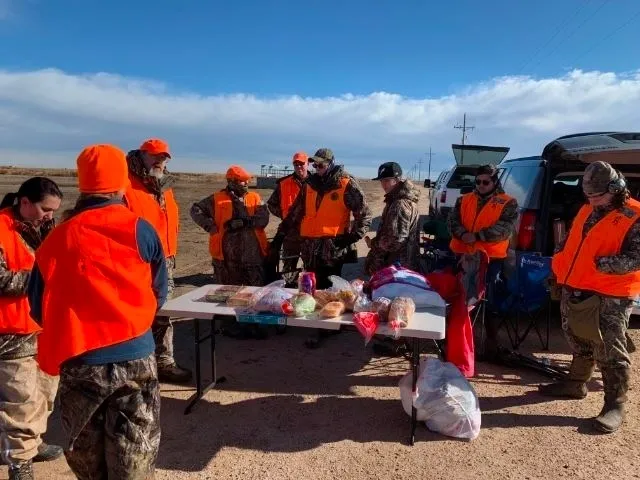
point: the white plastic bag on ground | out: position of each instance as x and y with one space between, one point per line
444 399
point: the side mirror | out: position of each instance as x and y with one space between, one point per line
466 189
427 183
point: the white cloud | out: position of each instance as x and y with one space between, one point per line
46 116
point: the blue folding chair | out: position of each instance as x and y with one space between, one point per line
532 299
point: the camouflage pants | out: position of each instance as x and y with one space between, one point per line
291 254
27 395
611 353
111 417
229 273
162 328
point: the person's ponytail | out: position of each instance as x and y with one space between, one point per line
8 200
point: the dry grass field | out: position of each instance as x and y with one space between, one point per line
286 412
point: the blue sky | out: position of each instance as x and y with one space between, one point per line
252 82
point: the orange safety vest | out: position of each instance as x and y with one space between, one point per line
223 211
14 311
97 289
575 265
634 204
331 218
473 221
164 220
289 190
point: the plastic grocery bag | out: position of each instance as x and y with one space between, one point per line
300 305
367 324
346 292
270 298
444 399
400 314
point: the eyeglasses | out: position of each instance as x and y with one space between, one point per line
320 166
298 164
486 183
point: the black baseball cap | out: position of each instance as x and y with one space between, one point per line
389 170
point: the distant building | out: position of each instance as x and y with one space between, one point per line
269 174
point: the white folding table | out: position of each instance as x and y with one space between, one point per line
427 323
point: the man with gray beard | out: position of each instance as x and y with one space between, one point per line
150 196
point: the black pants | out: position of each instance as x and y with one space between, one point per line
323 272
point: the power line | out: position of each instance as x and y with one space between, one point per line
607 37
572 33
563 24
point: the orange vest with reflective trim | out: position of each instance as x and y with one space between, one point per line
14 311
289 190
575 265
331 218
223 211
634 204
164 220
97 289
474 221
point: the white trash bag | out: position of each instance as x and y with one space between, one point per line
444 399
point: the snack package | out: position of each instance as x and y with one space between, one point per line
332 310
363 304
345 291
400 313
270 298
348 297
222 293
325 296
240 299
367 324
381 307
300 305
307 282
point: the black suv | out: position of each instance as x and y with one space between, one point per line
548 188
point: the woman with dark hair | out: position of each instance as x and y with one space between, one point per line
26 393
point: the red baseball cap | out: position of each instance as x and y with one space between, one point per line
155 146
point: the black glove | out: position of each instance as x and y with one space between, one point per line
235 224
343 241
276 243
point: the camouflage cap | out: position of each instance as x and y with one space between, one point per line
323 155
597 177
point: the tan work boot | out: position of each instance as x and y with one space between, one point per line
575 385
616 384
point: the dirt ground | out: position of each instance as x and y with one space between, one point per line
286 412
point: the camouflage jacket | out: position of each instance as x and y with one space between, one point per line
628 260
14 284
397 236
503 229
239 246
274 200
324 249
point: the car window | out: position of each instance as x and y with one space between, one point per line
462 177
524 184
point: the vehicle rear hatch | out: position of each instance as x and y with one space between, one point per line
575 152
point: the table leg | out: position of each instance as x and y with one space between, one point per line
201 390
415 364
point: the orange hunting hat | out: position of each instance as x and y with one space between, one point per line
155 146
102 169
237 173
300 157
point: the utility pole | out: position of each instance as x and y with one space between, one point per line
430 155
464 129
419 167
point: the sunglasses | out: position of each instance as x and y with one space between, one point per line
486 183
298 164
320 166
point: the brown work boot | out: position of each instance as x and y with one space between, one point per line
21 471
574 386
616 384
172 373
